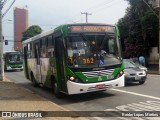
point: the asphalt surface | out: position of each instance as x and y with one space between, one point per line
131 98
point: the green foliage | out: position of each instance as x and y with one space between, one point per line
31 31
149 21
138 29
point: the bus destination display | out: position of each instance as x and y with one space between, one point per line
92 29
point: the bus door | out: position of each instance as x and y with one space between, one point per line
60 62
38 74
26 62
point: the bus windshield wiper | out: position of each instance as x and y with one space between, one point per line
83 36
103 41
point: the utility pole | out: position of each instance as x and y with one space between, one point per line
1 44
86 13
156 5
159 38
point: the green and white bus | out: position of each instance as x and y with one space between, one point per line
13 60
75 58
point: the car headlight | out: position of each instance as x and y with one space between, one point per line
144 72
126 73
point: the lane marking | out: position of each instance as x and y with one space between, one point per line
137 94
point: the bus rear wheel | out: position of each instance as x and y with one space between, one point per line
35 84
5 68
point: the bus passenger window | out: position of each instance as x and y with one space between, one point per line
52 41
46 39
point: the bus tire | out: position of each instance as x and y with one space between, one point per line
56 91
34 83
5 69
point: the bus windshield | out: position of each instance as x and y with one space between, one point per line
92 50
15 57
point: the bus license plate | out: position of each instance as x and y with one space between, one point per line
100 86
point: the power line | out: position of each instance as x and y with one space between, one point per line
4 2
150 8
108 6
8 8
94 7
101 4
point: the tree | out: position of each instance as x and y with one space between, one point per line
31 31
138 29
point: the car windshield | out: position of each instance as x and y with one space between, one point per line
128 64
92 50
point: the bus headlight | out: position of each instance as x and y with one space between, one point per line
72 78
120 74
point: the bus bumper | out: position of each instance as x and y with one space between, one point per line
15 68
78 88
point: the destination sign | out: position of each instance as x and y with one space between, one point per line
96 28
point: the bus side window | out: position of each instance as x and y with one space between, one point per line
31 50
50 41
50 47
46 41
28 50
37 51
53 41
59 48
43 48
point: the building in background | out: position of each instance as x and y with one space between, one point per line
20 25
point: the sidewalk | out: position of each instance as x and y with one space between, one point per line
153 69
14 97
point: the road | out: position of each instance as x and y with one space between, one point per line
133 97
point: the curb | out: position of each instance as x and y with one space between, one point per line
7 80
154 72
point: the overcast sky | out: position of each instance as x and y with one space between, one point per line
50 13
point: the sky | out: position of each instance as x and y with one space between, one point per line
48 14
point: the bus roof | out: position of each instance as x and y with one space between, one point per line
38 36
63 29
10 52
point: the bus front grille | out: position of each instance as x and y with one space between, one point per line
98 73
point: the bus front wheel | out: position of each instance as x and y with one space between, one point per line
56 91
